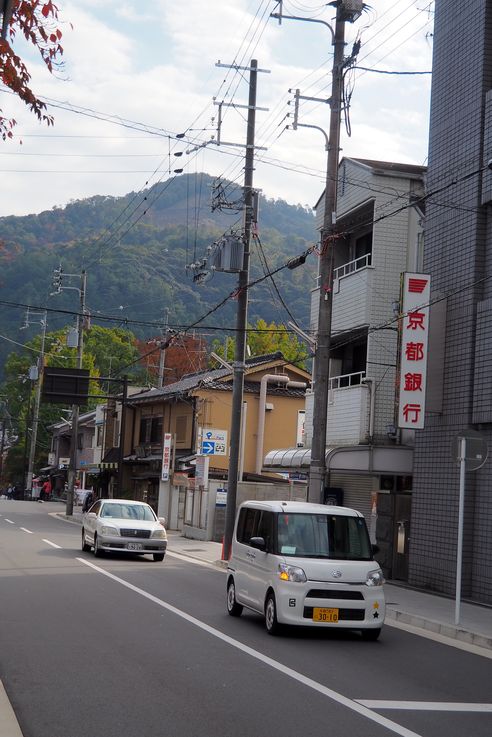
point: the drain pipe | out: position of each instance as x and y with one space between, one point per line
372 395
268 378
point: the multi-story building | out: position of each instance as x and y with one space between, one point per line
458 253
369 462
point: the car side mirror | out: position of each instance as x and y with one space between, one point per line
258 543
91 514
162 520
375 549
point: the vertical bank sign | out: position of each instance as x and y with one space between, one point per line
166 456
413 356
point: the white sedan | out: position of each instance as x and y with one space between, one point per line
123 526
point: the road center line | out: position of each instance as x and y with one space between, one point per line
54 545
9 521
24 529
290 672
425 706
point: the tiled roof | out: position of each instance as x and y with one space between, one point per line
212 378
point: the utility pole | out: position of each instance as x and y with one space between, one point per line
241 318
321 369
121 447
43 320
162 355
57 283
346 11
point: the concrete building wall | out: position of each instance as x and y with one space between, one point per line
458 250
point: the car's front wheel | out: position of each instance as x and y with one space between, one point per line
233 608
85 546
271 622
158 557
98 552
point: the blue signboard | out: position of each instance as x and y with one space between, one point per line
208 447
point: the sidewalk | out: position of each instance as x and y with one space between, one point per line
404 606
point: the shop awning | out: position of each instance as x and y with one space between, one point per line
383 459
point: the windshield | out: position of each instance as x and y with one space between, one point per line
128 511
323 536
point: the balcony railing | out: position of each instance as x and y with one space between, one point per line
346 380
356 265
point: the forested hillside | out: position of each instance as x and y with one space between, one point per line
135 250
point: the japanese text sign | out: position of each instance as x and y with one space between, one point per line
413 355
166 457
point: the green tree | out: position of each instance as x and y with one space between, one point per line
106 350
264 338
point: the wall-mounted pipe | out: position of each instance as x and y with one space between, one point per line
268 378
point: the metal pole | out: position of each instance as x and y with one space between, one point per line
37 403
317 471
2 442
162 356
121 449
461 515
72 470
241 319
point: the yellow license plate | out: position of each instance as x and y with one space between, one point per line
321 614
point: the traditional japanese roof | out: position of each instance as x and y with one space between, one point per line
218 379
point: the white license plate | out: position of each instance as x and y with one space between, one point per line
134 546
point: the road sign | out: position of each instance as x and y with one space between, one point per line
476 450
208 448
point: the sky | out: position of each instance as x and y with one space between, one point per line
138 72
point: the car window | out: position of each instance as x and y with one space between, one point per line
265 529
95 507
323 536
247 525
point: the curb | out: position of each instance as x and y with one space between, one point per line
446 630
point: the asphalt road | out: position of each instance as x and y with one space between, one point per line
127 647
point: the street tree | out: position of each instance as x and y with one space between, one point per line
37 21
264 338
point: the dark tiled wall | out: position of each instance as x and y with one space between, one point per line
458 255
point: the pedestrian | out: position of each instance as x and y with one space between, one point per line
88 501
10 491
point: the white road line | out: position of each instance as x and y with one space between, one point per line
9 726
290 672
190 559
9 521
426 706
53 545
24 529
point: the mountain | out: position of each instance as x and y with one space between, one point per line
135 250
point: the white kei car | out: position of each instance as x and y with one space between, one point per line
123 526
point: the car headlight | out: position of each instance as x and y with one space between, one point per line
160 533
109 530
375 578
291 573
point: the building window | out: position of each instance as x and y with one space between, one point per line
150 430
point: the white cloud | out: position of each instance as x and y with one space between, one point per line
155 64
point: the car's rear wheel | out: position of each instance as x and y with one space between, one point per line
85 546
158 557
271 622
371 635
233 608
98 552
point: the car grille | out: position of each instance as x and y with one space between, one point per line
334 594
344 615
132 532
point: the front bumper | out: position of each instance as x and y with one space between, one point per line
132 545
359 606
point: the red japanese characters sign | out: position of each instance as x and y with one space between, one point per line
413 356
166 456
